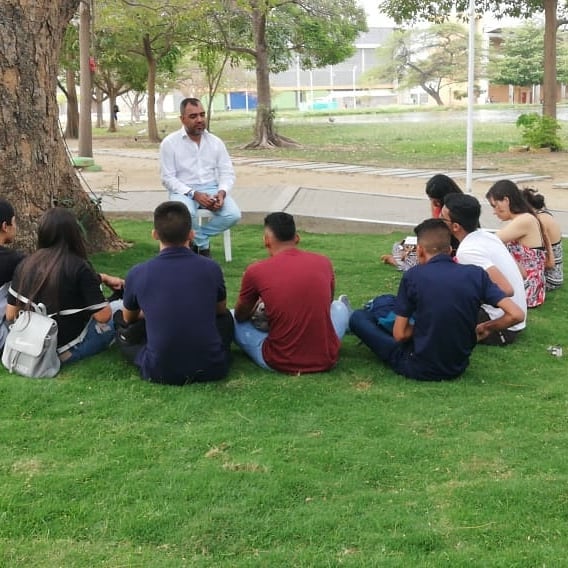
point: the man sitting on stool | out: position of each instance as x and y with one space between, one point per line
196 169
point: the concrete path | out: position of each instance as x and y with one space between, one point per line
324 210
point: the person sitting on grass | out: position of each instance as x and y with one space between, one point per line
482 248
9 259
403 255
434 333
60 276
175 326
555 274
524 236
304 325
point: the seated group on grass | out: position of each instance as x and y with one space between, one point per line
285 318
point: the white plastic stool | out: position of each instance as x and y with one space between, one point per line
206 214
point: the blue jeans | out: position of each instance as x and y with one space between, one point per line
250 339
363 324
224 219
98 338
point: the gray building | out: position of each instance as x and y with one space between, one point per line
340 83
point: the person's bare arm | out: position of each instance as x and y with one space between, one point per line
512 315
244 311
499 278
221 307
516 229
130 316
12 312
402 329
113 282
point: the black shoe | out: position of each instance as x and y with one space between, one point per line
203 252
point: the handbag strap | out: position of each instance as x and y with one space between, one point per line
42 309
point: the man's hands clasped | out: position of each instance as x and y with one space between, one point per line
211 202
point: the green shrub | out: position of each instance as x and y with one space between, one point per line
539 131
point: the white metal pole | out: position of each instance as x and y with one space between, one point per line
354 93
470 98
298 96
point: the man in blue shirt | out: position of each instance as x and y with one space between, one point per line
181 299
435 329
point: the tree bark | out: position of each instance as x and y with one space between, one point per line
98 99
549 82
35 171
264 134
153 135
72 126
433 93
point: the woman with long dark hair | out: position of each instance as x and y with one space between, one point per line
524 236
555 274
60 276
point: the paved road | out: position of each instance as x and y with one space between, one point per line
330 210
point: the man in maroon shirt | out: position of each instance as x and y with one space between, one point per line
296 288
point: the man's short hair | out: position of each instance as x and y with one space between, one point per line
172 222
188 101
464 210
282 226
6 212
434 236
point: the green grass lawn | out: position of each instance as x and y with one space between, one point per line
439 142
355 467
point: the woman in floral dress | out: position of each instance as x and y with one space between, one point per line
554 274
524 236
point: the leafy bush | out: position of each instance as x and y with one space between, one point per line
539 131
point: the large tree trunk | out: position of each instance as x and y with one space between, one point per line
153 135
72 126
35 171
549 81
264 134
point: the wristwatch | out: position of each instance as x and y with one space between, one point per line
191 194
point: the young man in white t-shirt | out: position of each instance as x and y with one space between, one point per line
482 248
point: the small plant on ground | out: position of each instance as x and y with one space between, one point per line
539 131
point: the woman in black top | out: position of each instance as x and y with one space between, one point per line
60 276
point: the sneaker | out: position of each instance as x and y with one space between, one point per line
344 299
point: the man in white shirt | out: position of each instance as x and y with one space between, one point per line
196 169
482 248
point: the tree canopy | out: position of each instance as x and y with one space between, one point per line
519 58
272 32
415 10
433 58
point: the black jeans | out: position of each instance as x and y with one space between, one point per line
496 338
130 338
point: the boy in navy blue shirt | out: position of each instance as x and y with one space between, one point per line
443 299
181 298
